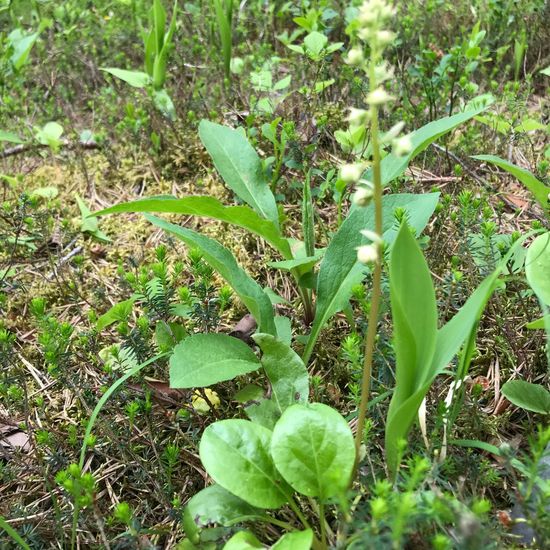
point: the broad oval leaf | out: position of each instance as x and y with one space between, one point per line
221 259
205 359
209 207
216 505
240 167
340 271
236 455
288 378
137 79
312 446
535 186
296 540
532 397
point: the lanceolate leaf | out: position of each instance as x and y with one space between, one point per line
240 167
137 79
537 270
406 402
205 359
537 267
537 188
340 270
288 378
414 314
392 166
236 454
209 207
250 292
313 448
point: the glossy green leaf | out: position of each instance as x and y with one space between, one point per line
414 316
215 505
340 271
536 187
137 79
313 448
404 405
393 166
537 267
533 397
243 540
537 271
221 259
205 359
296 540
288 379
236 455
240 167
209 207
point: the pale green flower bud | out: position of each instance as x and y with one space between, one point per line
379 96
363 196
355 57
367 254
385 37
350 173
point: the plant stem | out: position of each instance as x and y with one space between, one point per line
323 526
74 525
370 338
298 512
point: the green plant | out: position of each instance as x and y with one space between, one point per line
423 350
533 397
241 169
259 464
81 488
224 19
157 46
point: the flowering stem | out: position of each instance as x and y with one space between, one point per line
377 276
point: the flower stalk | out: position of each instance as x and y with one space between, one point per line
372 16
